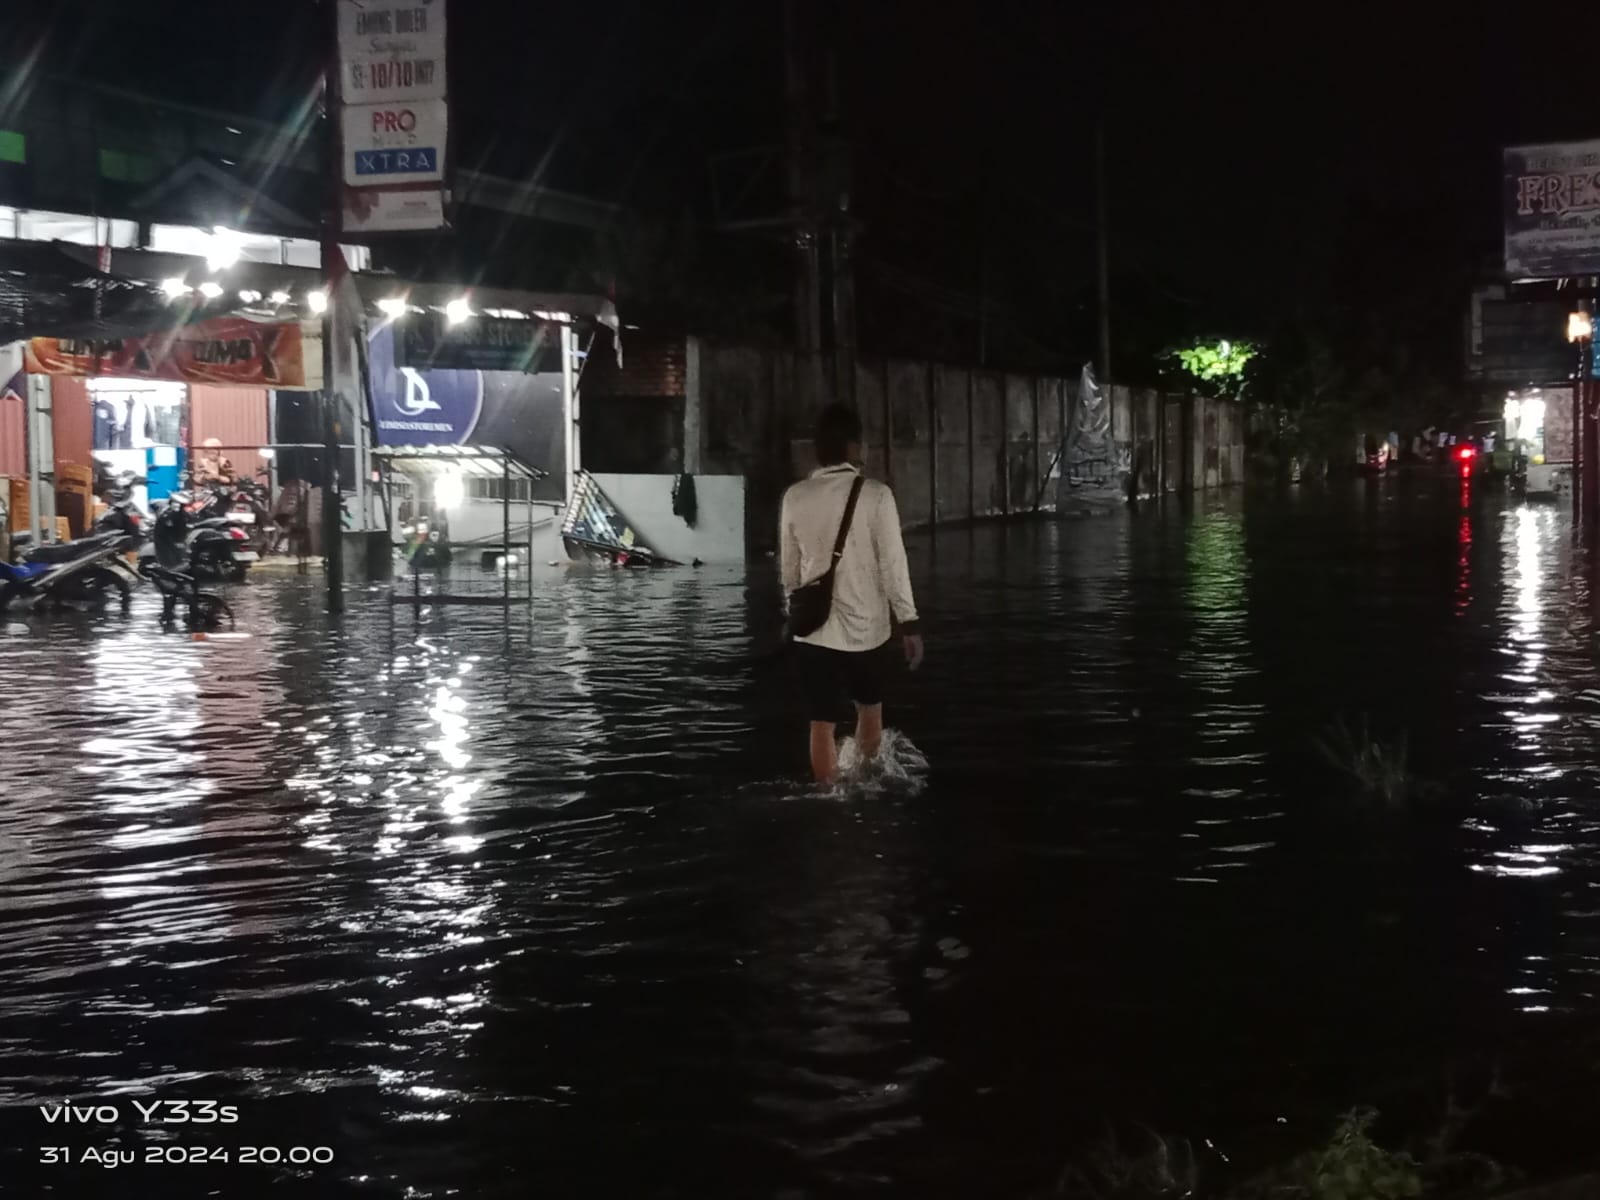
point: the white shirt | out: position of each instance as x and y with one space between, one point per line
872 582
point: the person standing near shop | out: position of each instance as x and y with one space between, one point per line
211 466
838 521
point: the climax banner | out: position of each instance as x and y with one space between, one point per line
224 350
1552 210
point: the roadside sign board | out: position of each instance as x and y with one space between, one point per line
371 210
394 116
1551 198
391 50
486 343
400 142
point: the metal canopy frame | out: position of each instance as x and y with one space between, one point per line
426 464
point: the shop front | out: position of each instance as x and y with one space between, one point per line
169 408
1538 429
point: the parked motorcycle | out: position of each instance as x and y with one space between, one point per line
251 505
86 574
201 610
212 547
119 529
122 518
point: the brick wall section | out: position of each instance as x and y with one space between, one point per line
651 366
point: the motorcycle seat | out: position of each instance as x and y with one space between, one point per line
60 552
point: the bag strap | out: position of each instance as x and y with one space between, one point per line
844 525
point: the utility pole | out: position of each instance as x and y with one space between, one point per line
332 422
983 266
1102 252
802 171
838 179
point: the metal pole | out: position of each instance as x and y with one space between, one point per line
1577 436
1102 253
272 437
802 170
933 449
332 524
41 457
1038 484
1591 445
888 428
972 453
1005 449
363 450
505 521
569 399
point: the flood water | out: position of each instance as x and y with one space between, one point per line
547 912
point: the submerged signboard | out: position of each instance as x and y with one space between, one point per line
1551 199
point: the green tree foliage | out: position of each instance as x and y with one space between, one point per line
1214 367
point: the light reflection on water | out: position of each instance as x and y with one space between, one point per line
517 909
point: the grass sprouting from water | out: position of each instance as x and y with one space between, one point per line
1350 1166
1380 769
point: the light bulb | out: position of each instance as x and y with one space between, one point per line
222 248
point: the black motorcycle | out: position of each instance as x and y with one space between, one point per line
201 610
208 545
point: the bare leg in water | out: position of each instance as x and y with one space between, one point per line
869 729
825 754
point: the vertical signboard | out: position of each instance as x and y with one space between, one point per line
391 50
398 142
1551 197
394 114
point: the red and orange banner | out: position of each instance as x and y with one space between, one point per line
223 350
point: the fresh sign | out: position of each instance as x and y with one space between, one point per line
1551 197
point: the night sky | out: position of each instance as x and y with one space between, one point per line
1260 156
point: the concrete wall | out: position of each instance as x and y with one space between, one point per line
718 534
955 443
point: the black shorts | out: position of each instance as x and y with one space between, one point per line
830 679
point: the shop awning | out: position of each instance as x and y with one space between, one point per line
46 291
427 463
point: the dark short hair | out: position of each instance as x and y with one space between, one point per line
837 426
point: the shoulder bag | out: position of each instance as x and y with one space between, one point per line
810 604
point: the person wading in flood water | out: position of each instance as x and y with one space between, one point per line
844 656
